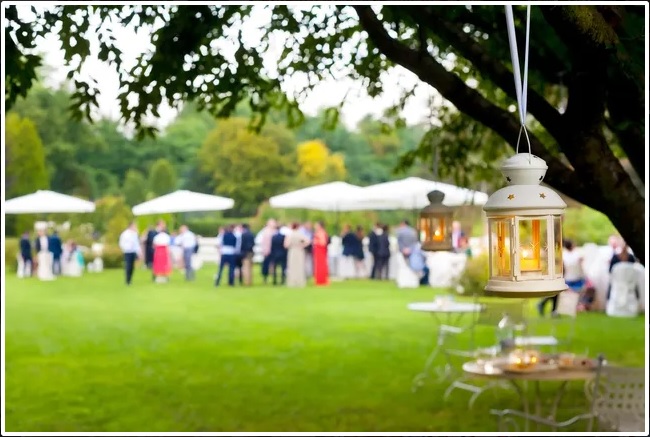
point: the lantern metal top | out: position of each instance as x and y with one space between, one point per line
435 203
524 169
524 173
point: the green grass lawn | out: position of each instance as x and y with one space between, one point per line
89 354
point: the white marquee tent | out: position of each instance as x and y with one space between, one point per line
183 201
47 202
326 197
410 193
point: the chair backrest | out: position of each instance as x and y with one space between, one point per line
619 401
623 275
567 303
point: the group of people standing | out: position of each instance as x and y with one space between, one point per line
156 245
51 254
291 254
408 244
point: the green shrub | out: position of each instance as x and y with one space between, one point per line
209 226
475 276
82 235
112 257
111 217
12 249
586 225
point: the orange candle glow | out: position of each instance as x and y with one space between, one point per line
501 259
530 257
439 234
527 262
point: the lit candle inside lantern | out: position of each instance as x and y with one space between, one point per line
439 234
530 258
527 262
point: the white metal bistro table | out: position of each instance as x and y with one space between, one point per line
492 370
453 312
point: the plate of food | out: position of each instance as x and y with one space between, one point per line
539 367
578 363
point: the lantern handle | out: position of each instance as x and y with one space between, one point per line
525 131
521 88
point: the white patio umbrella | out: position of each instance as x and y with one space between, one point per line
47 202
325 197
410 193
183 201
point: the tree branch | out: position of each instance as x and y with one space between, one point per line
471 103
548 64
538 106
593 42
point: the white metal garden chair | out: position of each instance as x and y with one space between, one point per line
616 403
623 301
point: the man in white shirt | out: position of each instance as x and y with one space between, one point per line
130 246
187 241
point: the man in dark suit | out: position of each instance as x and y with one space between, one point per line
148 246
247 245
228 256
373 248
278 256
56 248
26 254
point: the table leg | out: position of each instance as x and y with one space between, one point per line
419 379
538 403
452 319
556 402
524 401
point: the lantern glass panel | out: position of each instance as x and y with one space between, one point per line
437 231
533 247
434 228
425 228
500 239
557 230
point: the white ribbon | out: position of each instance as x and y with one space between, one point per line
521 89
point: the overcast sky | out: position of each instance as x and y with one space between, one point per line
328 93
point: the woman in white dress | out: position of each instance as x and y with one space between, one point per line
296 242
44 256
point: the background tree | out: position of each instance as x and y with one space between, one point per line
246 165
134 188
25 170
317 165
162 178
24 158
67 143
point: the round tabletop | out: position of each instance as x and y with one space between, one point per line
445 307
495 371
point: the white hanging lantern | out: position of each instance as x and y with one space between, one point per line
525 232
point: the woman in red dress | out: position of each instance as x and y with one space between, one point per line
319 244
162 266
